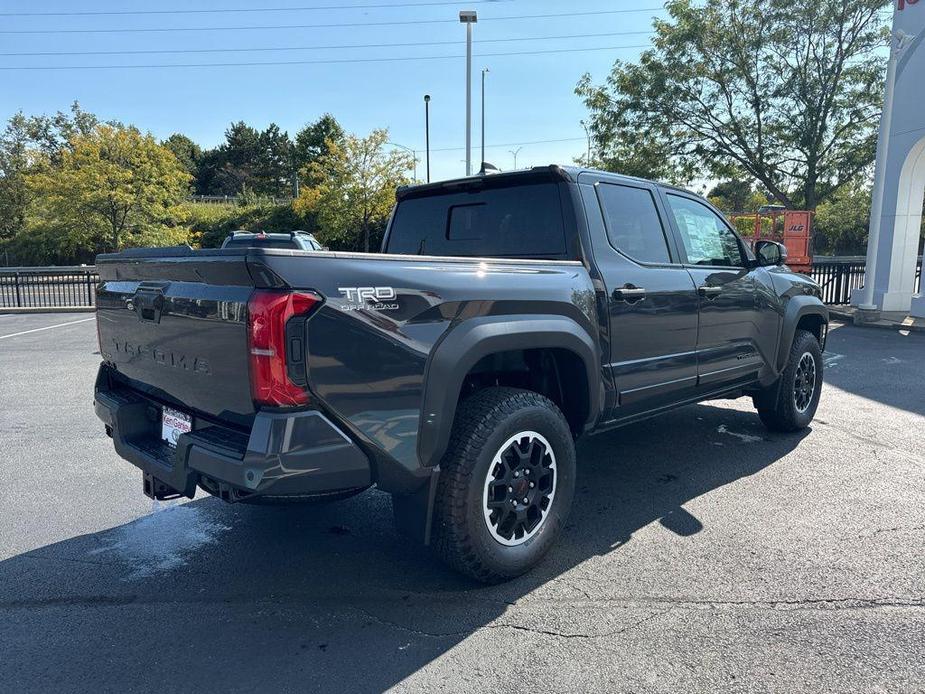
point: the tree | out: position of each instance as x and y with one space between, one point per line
273 167
248 161
354 189
14 164
26 145
786 91
51 135
841 222
187 152
312 141
112 187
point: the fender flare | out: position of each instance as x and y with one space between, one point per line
462 347
797 307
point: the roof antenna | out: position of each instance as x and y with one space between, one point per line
488 169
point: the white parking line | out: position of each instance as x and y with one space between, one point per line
47 327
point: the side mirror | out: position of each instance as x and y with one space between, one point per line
770 253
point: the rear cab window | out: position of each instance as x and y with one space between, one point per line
508 220
634 226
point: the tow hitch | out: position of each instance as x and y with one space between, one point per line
156 489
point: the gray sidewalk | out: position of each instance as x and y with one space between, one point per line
891 320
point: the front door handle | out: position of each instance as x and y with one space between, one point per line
629 294
709 292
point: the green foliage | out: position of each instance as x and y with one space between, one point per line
312 141
251 160
786 91
187 152
210 224
113 187
842 222
353 190
14 164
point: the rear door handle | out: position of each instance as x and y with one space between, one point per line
629 294
709 292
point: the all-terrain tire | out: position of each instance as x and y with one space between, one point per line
486 430
790 403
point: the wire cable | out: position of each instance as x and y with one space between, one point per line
405 22
314 62
160 51
223 10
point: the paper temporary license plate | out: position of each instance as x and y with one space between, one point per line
174 423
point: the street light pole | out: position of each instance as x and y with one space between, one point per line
427 132
468 17
484 72
414 157
515 152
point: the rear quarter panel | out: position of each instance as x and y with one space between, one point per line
368 358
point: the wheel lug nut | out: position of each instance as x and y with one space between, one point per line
526 500
532 485
510 489
516 474
527 471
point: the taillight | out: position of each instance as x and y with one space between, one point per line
268 312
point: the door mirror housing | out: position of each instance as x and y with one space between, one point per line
770 253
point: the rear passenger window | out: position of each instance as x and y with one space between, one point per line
514 221
633 224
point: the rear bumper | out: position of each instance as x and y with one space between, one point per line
287 455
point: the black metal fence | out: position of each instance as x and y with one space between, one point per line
48 287
839 275
75 287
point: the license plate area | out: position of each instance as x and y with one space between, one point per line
174 423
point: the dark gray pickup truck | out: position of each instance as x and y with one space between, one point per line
507 316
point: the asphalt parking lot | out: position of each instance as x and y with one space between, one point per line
703 553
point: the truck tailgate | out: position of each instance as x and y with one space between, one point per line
176 328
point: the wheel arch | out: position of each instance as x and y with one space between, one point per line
806 313
466 345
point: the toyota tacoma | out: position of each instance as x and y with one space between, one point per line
507 316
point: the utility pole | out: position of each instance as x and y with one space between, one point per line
515 152
295 173
484 72
427 132
468 17
588 135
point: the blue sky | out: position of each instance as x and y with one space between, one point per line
529 98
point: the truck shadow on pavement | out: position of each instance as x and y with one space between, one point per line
879 365
244 598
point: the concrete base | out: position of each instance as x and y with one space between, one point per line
865 315
883 301
893 301
918 306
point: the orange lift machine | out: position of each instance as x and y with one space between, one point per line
793 228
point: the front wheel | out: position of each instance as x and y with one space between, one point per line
790 403
506 484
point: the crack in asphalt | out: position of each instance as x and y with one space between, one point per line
913 457
896 529
850 603
514 627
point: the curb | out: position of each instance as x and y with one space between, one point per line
848 317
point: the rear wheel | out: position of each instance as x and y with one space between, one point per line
506 484
790 403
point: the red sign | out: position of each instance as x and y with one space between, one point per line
902 4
